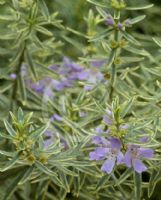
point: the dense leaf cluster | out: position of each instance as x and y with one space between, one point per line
80 100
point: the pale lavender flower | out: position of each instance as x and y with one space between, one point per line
54 67
133 157
144 139
107 120
99 140
61 84
49 138
109 21
13 76
98 63
24 71
99 129
94 77
127 23
82 113
115 156
120 26
124 126
56 117
110 151
88 87
69 72
40 85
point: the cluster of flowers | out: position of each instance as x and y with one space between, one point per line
113 151
111 22
69 73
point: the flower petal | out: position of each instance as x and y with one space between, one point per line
115 143
108 165
99 140
99 153
120 158
146 152
128 159
107 120
139 166
93 156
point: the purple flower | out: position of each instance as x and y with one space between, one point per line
94 77
107 120
54 67
144 139
109 151
98 63
124 126
133 157
99 140
120 26
82 114
49 139
13 76
99 153
127 23
40 85
88 87
109 21
69 72
100 130
56 117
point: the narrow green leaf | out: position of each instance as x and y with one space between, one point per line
43 30
5 87
13 186
76 32
112 57
9 128
44 169
103 180
15 4
76 44
105 46
7 36
157 41
10 163
6 153
26 175
130 38
98 3
64 180
140 7
126 107
6 136
124 176
44 9
102 12
30 63
100 36
20 115
22 87
131 59
154 179
38 132
137 19
67 171
136 51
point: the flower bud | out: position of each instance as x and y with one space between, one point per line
109 21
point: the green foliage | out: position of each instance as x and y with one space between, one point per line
45 141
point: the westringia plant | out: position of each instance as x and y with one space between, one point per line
84 128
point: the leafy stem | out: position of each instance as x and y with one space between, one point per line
18 76
114 70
